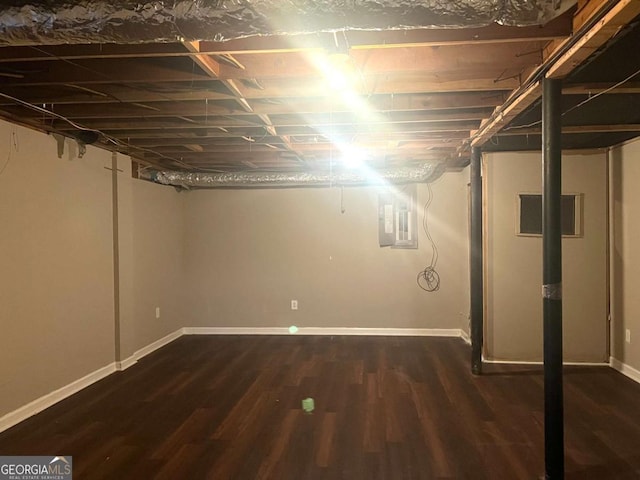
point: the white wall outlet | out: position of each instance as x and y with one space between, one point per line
627 335
294 304
157 312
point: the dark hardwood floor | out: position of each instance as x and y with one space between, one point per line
229 407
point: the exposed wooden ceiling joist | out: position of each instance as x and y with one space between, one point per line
560 61
408 71
605 29
197 120
573 129
274 102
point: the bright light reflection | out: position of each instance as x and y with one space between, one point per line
353 157
346 82
346 89
337 80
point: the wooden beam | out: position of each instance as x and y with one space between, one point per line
103 94
613 21
468 73
239 97
449 128
593 88
257 132
400 148
501 117
436 135
204 157
113 94
231 60
383 84
205 62
198 121
212 68
268 124
43 53
194 158
141 113
481 60
298 130
621 14
514 131
97 72
586 10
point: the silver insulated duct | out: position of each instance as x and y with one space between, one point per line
425 173
30 22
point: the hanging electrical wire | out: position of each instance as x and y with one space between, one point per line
590 98
13 146
603 92
429 279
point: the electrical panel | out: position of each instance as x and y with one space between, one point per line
397 217
386 230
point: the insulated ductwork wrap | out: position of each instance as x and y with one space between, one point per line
424 173
25 22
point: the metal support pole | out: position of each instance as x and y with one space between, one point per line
552 278
477 297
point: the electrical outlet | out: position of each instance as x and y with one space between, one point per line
294 304
627 335
157 312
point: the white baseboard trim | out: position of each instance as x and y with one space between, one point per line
625 369
540 363
44 402
414 332
465 336
152 347
30 409
36 406
126 363
235 331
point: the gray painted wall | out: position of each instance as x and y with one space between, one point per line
514 263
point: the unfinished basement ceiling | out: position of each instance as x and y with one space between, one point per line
387 97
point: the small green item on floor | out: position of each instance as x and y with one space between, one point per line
293 329
308 405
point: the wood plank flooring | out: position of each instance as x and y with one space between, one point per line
392 408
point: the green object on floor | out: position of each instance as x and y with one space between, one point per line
308 405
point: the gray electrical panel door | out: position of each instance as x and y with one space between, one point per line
386 231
